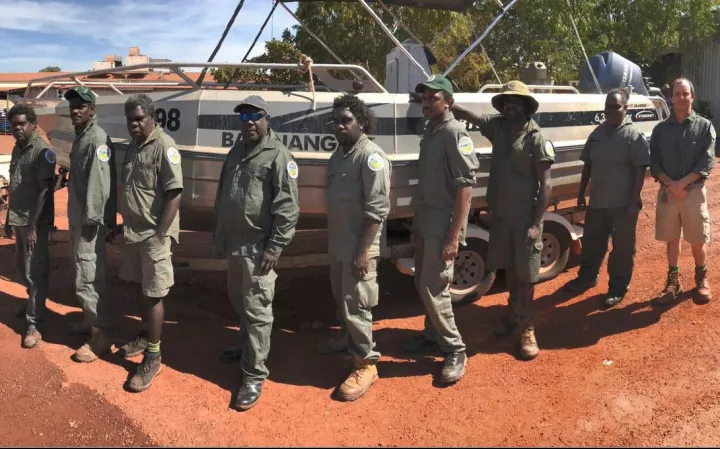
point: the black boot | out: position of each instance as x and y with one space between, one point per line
453 368
248 395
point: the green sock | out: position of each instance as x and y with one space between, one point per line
154 347
701 267
674 269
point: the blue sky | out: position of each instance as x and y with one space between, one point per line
72 34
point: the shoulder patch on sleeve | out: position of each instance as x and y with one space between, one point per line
103 153
292 169
549 148
376 162
50 156
466 146
173 155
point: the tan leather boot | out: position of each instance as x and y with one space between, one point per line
703 294
98 345
528 344
671 291
359 381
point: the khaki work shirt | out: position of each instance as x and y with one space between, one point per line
92 186
447 162
614 155
513 186
31 166
678 149
358 190
256 206
150 170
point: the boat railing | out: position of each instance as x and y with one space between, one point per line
534 88
369 83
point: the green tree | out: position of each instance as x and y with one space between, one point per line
51 68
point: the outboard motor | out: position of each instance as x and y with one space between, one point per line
612 71
402 75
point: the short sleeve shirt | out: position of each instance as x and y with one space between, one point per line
150 170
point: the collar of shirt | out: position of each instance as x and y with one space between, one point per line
690 118
431 131
358 144
610 130
31 141
152 137
89 125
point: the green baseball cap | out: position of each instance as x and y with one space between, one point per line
83 92
436 82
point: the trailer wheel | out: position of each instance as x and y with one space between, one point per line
470 279
555 252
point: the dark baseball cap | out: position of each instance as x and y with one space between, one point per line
436 82
252 100
83 92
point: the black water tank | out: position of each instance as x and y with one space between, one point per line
612 70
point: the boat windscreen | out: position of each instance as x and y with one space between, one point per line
443 5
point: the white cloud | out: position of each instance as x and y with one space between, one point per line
181 30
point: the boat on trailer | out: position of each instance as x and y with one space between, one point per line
201 120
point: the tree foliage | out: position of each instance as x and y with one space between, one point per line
534 30
51 68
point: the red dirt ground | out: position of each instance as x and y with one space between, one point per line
660 389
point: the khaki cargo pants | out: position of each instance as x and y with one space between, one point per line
355 299
34 269
251 294
688 217
89 267
432 282
148 263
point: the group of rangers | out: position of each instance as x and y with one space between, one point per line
256 212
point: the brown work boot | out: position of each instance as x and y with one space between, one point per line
333 344
79 328
31 338
703 295
98 345
528 344
146 372
359 381
671 291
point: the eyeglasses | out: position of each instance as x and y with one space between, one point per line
255 116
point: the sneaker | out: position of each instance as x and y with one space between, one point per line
135 347
612 299
31 338
146 372
580 285
99 345
358 382
453 368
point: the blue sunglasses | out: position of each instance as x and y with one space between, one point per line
255 116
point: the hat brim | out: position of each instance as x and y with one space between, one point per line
531 103
420 88
240 106
72 93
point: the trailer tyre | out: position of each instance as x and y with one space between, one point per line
470 278
556 250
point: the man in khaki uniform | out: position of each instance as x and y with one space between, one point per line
358 203
152 188
442 204
682 152
256 210
616 156
518 193
31 214
92 208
